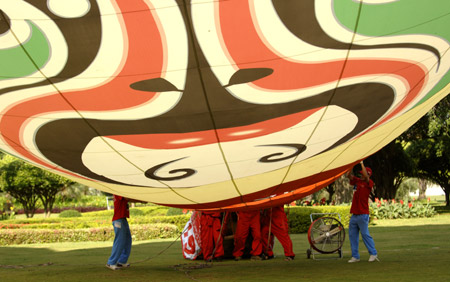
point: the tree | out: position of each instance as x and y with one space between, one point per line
408 186
342 191
28 183
13 180
428 144
391 165
50 185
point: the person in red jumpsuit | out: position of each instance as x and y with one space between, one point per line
211 236
274 221
248 221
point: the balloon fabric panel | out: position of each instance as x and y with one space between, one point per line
215 104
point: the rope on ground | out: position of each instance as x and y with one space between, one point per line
25 266
189 266
53 264
161 252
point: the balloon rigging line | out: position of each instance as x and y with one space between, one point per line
78 112
191 35
329 101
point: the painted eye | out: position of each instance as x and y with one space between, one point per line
249 75
5 22
154 85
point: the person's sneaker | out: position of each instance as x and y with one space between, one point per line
237 258
353 260
373 258
123 265
112 266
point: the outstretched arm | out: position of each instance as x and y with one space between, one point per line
365 176
349 173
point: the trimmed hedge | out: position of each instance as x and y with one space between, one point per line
70 213
89 222
299 217
139 232
143 211
96 226
174 211
178 220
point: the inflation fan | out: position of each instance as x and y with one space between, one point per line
326 235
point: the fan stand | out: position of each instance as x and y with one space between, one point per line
326 236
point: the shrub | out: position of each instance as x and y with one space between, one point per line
174 211
136 212
104 213
90 222
70 213
177 220
384 209
30 236
442 209
299 218
154 210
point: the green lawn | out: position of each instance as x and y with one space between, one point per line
409 250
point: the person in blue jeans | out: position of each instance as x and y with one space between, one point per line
122 241
359 221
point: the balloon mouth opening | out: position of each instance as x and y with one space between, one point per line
199 138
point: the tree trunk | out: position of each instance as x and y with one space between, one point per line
422 189
447 195
48 201
342 191
331 189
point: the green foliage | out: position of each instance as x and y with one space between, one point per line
177 220
143 211
174 211
136 212
407 186
442 209
105 213
154 210
91 220
80 201
390 166
14 175
31 236
428 144
79 193
55 223
299 218
28 183
7 208
70 213
384 209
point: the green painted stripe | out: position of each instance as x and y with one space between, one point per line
399 18
14 62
